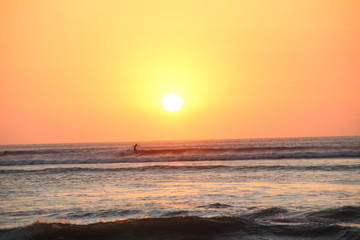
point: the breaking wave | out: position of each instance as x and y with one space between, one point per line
227 168
342 147
242 150
261 224
173 155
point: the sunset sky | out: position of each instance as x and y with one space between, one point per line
96 71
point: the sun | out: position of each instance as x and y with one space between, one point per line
172 102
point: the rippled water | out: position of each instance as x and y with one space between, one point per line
277 197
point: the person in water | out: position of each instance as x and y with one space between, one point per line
135 150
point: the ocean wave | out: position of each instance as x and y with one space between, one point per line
344 214
101 213
48 151
265 213
237 150
215 206
181 151
162 168
169 158
249 226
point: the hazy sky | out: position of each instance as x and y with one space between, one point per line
94 71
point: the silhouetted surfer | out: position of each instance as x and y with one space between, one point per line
135 146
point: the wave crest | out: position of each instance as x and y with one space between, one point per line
186 227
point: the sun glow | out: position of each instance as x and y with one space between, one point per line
172 102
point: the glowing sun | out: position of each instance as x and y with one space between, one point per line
172 102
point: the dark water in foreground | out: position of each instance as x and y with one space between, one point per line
307 188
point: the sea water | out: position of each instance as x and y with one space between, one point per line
296 188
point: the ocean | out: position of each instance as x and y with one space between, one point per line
285 188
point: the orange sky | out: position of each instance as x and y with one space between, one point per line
95 71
